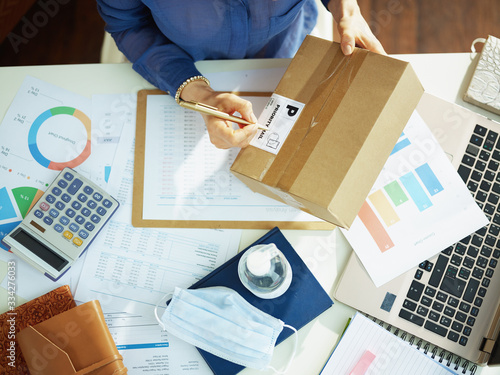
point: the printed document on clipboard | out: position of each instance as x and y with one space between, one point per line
182 180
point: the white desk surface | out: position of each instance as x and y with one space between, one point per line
444 75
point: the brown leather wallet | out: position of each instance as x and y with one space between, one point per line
77 341
30 313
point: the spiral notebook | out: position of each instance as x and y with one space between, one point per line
367 347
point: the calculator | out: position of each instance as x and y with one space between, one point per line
62 224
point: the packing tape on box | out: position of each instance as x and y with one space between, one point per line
287 198
332 88
281 161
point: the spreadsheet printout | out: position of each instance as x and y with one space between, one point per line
188 178
146 348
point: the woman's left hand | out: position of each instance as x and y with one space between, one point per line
353 28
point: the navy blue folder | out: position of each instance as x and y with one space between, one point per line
304 300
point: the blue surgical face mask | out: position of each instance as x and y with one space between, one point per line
220 321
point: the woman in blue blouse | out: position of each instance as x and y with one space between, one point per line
163 39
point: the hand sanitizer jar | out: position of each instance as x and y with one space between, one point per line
264 270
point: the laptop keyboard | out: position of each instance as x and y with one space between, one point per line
448 304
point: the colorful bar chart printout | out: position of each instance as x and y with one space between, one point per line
385 201
417 207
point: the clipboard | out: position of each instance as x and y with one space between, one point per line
138 191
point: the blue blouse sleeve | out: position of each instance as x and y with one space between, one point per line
153 55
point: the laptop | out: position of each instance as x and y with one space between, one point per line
451 300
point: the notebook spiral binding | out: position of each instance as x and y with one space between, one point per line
458 364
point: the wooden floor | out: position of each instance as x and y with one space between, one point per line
73 34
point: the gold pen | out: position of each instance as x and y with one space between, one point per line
213 111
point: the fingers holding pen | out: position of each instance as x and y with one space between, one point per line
221 132
223 135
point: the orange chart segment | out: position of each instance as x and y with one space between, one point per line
25 198
38 195
375 228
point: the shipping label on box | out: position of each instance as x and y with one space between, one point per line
279 116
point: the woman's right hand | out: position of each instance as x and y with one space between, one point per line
221 132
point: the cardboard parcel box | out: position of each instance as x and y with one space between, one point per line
333 122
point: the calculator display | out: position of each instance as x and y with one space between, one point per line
39 249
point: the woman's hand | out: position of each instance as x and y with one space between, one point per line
353 28
221 132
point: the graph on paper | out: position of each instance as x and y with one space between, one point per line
415 188
417 207
46 129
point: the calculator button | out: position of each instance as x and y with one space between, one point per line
88 190
68 176
38 214
64 220
53 212
95 219
50 198
79 219
101 211
76 205
86 212
75 186
56 191
89 226
68 234
107 203
77 241
82 197
60 206
98 197
83 234
91 204
70 212
63 184
47 220
44 206
65 198
58 228
73 227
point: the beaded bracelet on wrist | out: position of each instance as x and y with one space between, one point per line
186 82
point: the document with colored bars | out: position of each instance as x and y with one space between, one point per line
418 206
